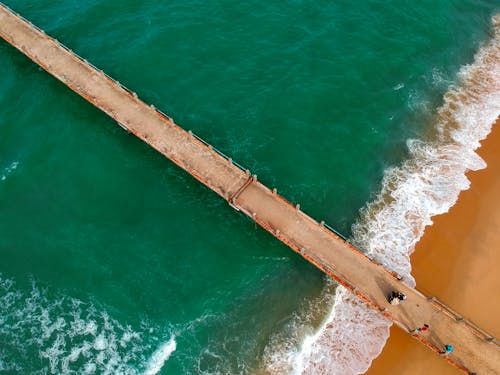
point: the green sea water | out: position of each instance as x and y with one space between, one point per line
109 253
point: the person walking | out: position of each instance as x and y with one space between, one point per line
424 328
396 297
447 350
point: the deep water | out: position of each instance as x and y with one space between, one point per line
109 253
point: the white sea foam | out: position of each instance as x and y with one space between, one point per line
8 170
54 334
399 86
425 185
160 356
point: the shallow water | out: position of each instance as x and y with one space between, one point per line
318 99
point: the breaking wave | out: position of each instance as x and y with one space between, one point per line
67 336
160 356
426 184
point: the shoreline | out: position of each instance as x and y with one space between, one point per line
454 261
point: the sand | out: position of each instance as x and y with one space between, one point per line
273 213
456 261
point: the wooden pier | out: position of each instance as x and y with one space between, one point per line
475 351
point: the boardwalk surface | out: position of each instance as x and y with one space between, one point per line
475 351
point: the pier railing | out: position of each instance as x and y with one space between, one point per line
162 114
347 276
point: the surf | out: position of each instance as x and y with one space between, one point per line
70 336
428 183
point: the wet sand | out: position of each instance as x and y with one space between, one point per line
456 261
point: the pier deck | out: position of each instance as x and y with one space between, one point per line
475 351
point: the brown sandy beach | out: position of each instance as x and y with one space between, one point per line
456 261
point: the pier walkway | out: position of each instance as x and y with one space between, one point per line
475 351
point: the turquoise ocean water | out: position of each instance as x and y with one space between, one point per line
112 259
